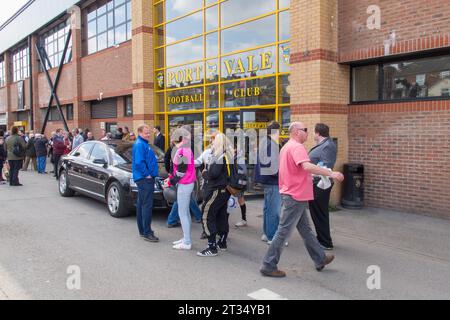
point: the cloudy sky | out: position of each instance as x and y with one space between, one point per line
9 7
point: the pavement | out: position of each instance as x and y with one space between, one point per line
46 241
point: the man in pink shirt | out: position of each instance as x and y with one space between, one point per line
296 188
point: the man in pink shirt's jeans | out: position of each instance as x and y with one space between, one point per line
296 188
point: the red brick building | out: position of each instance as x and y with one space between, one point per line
378 72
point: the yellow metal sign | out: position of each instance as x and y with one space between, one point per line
255 125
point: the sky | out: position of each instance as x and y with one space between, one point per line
9 7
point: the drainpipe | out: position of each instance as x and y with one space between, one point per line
30 66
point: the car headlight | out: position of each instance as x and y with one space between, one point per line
132 183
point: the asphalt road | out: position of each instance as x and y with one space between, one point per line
43 236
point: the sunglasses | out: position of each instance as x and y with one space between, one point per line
303 129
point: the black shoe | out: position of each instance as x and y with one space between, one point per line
326 247
16 185
208 252
222 246
151 238
175 225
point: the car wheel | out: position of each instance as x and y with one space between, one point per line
63 183
116 201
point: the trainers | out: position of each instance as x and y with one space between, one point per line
182 246
264 238
328 248
151 238
328 260
274 274
208 252
177 242
222 246
241 223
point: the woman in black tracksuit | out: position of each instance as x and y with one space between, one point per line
214 209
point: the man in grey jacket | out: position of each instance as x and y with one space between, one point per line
15 159
324 155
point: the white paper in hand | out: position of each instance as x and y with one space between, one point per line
233 205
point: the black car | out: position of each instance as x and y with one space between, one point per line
102 170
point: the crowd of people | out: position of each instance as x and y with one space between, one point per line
20 151
294 182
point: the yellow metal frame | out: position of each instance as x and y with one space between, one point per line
278 107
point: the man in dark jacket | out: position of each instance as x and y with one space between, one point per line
15 146
324 155
266 173
58 150
160 140
40 145
2 155
30 154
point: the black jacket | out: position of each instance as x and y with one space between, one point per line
160 142
216 174
41 147
3 153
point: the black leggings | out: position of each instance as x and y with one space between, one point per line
215 217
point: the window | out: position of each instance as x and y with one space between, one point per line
83 151
403 80
2 73
69 111
108 25
212 56
365 83
20 64
99 153
53 42
128 107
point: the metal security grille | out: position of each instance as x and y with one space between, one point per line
104 109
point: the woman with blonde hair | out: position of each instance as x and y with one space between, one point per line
215 219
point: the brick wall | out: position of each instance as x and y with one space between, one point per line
418 25
405 148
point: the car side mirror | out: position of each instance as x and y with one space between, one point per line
103 162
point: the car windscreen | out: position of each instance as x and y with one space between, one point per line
123 153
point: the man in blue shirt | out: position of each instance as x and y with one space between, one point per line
145 170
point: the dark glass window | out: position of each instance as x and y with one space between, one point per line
422 78
284 83
99 152
187 99
109 25
365 83
403 80
250 93
53 42
128 107
69 111
20 64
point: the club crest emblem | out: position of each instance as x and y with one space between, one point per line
160 79
286 54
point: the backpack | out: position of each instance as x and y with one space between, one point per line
18 150
237 177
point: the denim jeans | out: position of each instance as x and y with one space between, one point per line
174 218
294 215
42 161
144 206
184 196
272 208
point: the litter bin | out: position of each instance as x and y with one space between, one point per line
353 186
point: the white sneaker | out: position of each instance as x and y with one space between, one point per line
264 238
177 242
269 242
241 223
286 244
182 246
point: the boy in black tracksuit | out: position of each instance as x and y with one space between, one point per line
215 220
